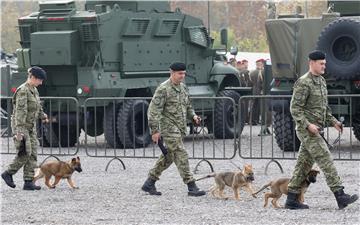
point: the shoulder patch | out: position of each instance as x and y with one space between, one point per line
156 100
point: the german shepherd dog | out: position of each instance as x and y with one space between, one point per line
280 186
235 180
60 170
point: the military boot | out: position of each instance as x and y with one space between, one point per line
292 202
343 199
7 177
194 190
149 186
30 186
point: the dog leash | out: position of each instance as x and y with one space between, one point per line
321 132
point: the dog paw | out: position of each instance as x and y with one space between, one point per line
52 187
254 195
76 187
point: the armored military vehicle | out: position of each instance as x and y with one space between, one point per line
291 38
122 49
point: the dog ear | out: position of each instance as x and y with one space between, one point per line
73 160
78 158
248 167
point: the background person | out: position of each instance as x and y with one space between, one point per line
256 80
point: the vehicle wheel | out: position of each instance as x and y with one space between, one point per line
340 40
284 132
110 131
48 134
94 126
67 136
41 135
132 124
224 124
209 124
356 128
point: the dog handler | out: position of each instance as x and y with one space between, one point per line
168 112
309 108
26 111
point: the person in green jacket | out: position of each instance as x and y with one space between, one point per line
26 112
311 113
168 113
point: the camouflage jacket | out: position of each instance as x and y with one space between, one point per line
26 108
309 102
245 78
256 81
169 110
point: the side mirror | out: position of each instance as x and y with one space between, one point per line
224 36
233 50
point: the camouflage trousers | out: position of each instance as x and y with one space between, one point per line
313 149
178 155
29 160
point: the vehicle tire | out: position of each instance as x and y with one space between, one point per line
224 124
68 136
95 125
340 40
132 126
41 135
356 128
50 135
209 124
109 123
284 131
46 134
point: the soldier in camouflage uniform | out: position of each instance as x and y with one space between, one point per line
26 111
311 113
256 79
242 66
168 112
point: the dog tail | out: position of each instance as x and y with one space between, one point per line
208 176
261 189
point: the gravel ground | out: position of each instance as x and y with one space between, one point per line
115 197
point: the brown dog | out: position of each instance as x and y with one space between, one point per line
235 180
60 170
280 186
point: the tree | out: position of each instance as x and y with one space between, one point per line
10 12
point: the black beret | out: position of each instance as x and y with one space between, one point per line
38 72
178 66
316 55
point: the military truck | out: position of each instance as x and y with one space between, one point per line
291 38
122 49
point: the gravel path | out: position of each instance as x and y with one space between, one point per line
114 197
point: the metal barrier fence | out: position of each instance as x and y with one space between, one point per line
125 133
117 128
59 137
282 142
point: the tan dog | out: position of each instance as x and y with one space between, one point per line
60 170
280 186
235 180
